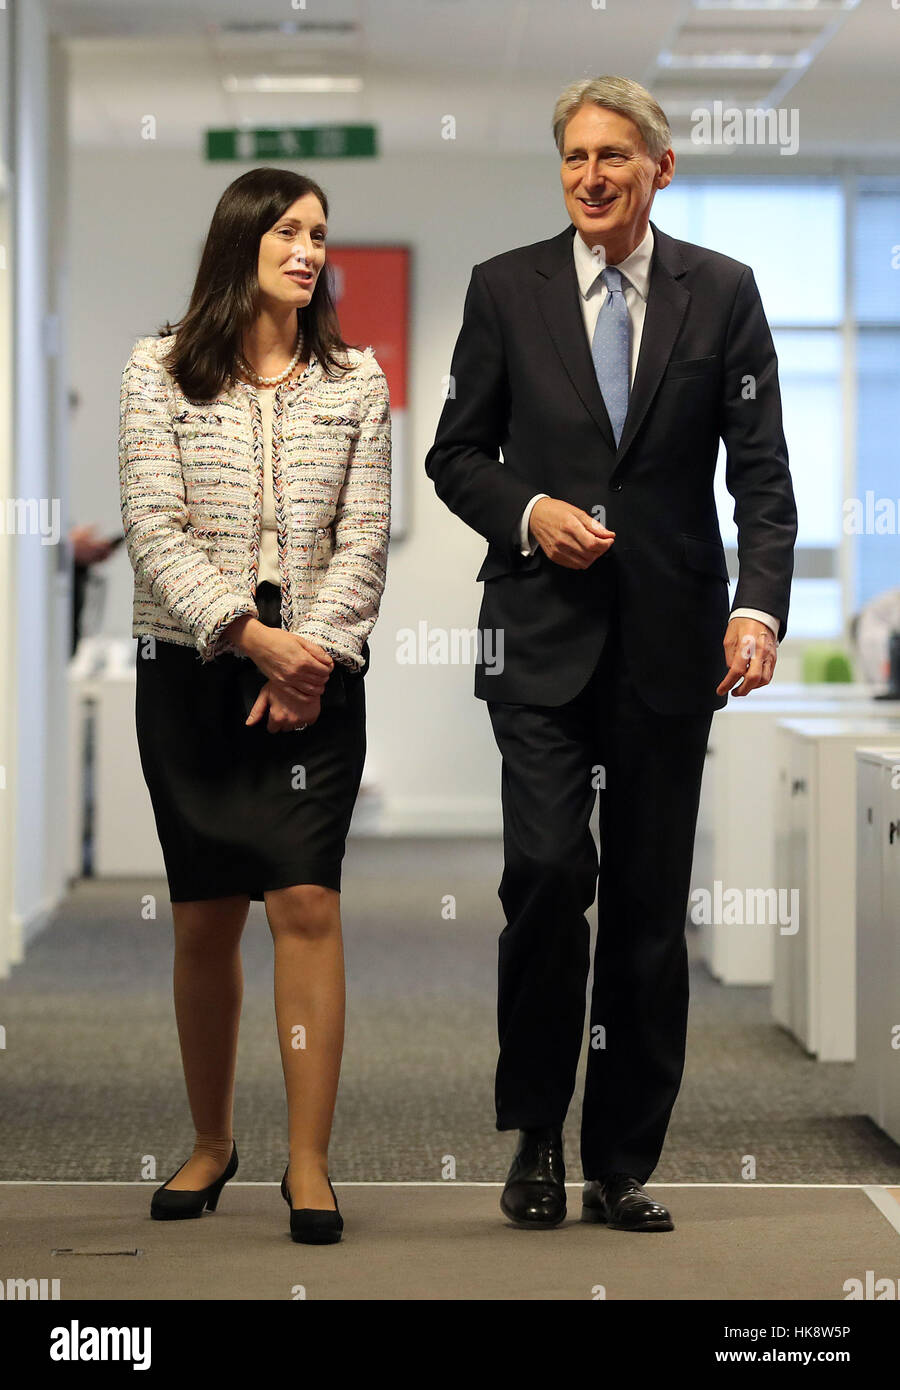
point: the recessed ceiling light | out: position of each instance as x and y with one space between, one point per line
305 82
810 6
735 61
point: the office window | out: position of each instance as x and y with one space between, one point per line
876 282
792 236
876 255
809 370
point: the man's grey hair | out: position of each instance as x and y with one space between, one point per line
615 94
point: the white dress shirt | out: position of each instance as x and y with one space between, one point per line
636 269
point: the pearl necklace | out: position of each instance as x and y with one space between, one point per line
273 380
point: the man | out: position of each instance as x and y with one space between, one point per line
605 364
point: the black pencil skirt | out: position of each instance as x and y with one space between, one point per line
240 810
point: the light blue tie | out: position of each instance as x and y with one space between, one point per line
611 350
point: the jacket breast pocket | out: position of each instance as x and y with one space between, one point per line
321 429
199 443
197 429
199 435
692 366
334 420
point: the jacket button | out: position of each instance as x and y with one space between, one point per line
615 487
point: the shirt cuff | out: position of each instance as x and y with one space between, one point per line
773 623
526 544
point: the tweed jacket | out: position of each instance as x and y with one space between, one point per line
191 486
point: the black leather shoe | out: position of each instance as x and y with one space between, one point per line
535 1191
309 1225
621 1203
169 1205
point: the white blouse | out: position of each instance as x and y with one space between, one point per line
268 536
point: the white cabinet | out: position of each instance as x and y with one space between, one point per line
890 1023
877 1069
735 843
125 839
110 785
814 983
81 693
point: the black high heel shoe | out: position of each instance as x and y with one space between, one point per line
169 1205
310 1225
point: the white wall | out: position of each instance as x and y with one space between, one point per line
35 597
7 548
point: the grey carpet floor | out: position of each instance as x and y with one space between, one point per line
92 1085
449 1242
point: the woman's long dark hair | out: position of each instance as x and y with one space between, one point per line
225 297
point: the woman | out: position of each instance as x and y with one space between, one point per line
254 466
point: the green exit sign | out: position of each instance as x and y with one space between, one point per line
293 142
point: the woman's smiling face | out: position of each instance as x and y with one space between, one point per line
292 253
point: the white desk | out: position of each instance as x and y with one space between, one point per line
125 839
735 840
877 1069
814 984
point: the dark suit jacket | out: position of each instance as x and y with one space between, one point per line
524 384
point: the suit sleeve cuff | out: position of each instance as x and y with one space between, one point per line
767 618
527 544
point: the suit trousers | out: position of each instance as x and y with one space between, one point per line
646 768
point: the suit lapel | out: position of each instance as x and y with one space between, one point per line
559 301
667 302
560 304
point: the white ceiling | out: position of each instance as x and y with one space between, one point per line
495 65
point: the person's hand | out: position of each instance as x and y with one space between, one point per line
751 652
282 656
88 548
567 535
287 710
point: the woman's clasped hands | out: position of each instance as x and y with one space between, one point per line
298 671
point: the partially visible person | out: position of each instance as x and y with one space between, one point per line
87 549
871 630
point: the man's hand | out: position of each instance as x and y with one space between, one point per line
751 653
567 535
286 709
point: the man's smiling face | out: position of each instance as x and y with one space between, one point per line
609 180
